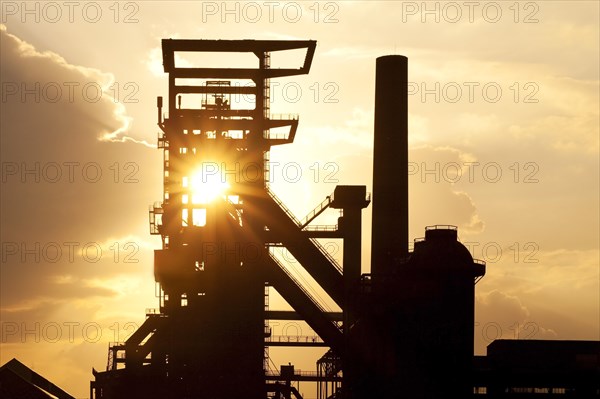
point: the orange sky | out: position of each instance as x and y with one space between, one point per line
504 131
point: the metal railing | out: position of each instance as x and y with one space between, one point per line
285 117
277 136
316 211
314 241
330 258
304 290
322 227
315 339
297 373
441 227
282 206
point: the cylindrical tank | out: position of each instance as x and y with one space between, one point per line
434 323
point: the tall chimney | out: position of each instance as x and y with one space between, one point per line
389 237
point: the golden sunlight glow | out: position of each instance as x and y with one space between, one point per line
204 187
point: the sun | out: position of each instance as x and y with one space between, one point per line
204 187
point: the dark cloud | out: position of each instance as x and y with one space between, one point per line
71 198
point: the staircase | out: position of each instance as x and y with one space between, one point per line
311 255
319 209
141 342
301 300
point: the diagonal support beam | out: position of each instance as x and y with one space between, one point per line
302 248
303 303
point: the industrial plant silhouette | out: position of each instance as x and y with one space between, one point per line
406 330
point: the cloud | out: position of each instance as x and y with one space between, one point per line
540 289
31 76
154 62
499 315
74 184
434 198
500 305
47 79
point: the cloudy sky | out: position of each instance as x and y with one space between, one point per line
504 127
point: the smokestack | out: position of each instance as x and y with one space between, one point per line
389 237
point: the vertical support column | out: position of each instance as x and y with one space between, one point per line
352 227
390 165
172 95
351 199
256 144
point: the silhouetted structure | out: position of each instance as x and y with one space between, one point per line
18 381
405 330
539 369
